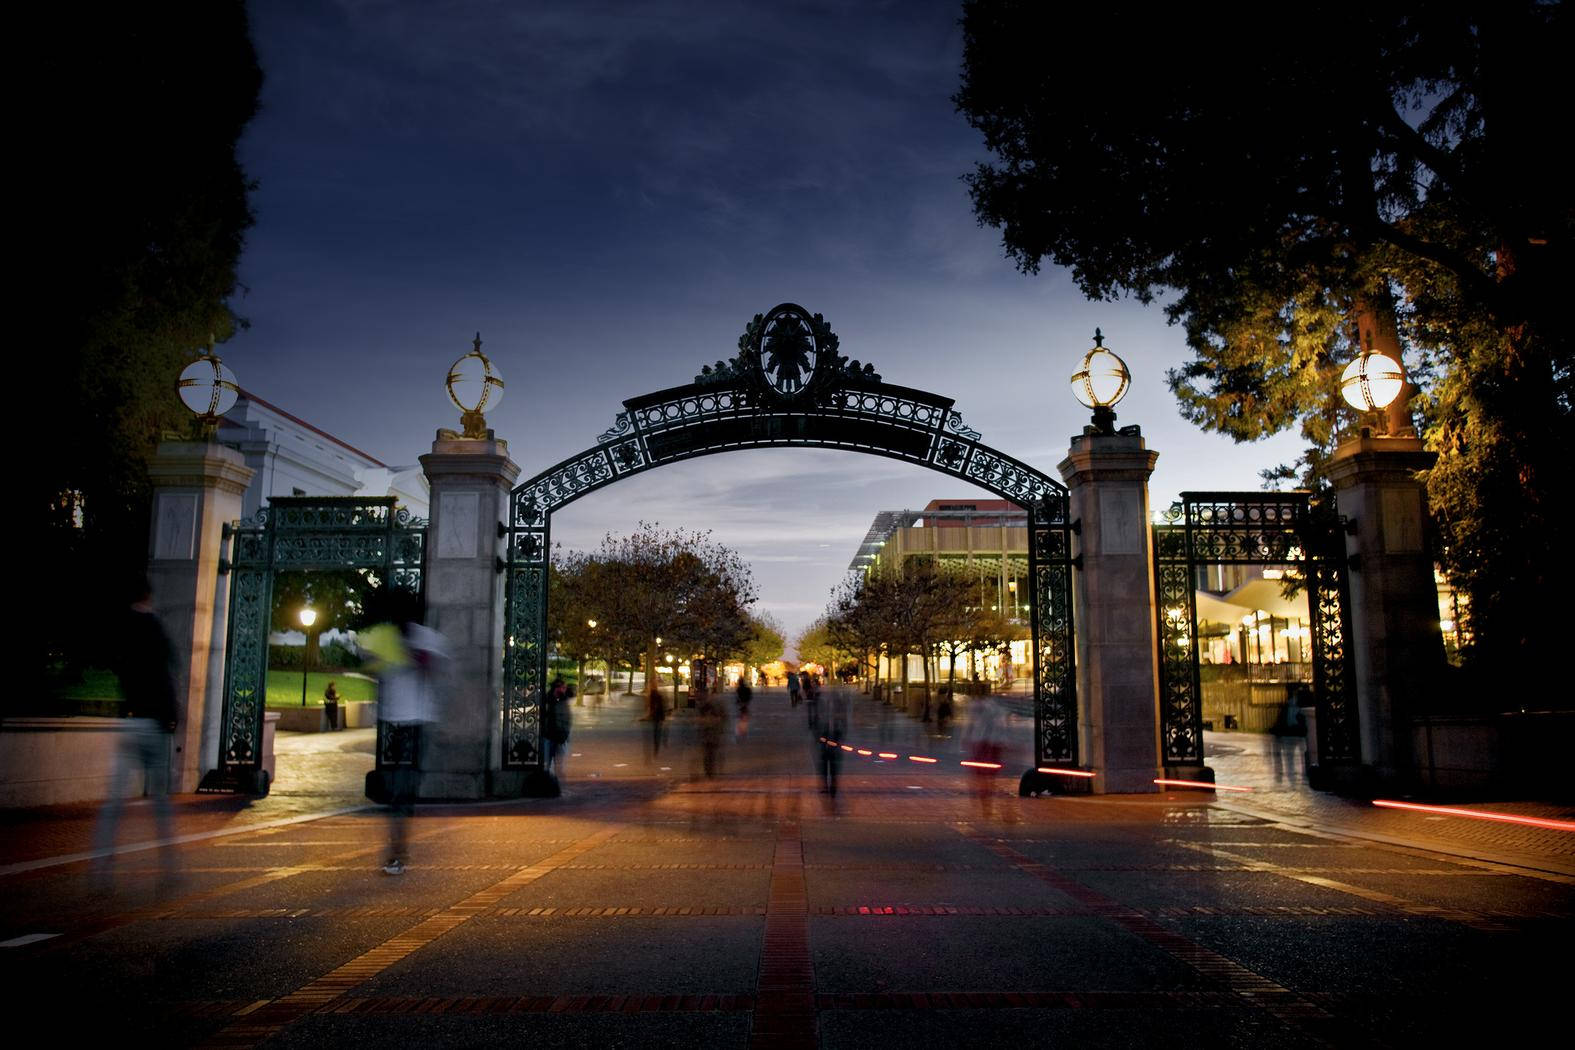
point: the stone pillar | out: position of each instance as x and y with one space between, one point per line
470 483
197 490
1114 605
1397 646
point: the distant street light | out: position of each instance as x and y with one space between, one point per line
1100 383
673 669
308 616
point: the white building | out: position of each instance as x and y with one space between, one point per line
294 458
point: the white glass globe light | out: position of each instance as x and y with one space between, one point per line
1372 381
1103 379
474 385
207 387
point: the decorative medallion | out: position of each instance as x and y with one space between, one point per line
787 350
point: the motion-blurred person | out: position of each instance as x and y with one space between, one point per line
792 681
656 711
711 717
744 696
831 724
557 718
145 665
983 743
407 656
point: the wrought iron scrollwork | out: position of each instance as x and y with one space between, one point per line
814 397
290 534
1250 529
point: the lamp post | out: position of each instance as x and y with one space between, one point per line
308 616
1100 382
673 670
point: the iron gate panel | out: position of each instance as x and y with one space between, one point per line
300 533
1250 528
745 403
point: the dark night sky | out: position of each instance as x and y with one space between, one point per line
608 192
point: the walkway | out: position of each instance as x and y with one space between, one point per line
655 907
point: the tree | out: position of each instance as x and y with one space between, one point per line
765 642
682 587
1282 198
146 208
340 598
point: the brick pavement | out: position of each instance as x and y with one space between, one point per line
655 907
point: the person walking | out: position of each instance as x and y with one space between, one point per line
711 717
832 723
656 711
792 682
407 656
145 666
557 718
744 696
983 742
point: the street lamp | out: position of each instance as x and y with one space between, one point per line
672 669
308 616
1372 381
474 386
208 388
1100 383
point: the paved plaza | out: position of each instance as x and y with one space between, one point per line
651 906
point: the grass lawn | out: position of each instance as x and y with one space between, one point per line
284 688
96 684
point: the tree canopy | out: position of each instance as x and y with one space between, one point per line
1288 191
683 587
137 118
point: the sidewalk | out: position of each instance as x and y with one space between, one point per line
323 773
1271 767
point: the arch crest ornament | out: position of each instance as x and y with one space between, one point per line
789 386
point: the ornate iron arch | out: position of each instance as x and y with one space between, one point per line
789 387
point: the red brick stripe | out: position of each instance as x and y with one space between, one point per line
784 1014
270 1017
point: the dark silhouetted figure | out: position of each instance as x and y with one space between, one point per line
145 665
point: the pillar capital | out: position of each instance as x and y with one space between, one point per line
1096 457
455 459
200 465
1368 458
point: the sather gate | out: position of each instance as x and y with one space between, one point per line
789 387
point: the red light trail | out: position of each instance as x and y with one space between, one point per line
1479 814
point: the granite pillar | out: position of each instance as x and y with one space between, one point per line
1397 645
470 483
1113 603
197 490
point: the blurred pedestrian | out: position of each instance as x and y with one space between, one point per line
557 718
744 696
943 713
711 717
793 689
408 658
832 723
145 665
983 742
656 711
